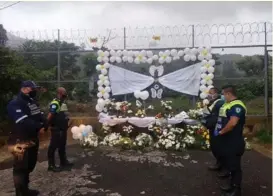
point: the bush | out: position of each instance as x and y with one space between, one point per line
264 136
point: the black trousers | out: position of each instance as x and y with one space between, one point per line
57 141
22 169
215 146
232 160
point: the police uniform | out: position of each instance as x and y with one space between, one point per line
27 121
209 120
59 126
233 141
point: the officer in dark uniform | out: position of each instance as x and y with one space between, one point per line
229 129
24 138
58 120
211 112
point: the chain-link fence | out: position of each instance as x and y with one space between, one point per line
68 58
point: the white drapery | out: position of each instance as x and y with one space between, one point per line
186 80
124 81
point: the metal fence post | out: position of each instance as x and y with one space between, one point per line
124 47
266 102
58 61
193 97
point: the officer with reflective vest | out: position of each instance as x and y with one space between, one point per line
58 120
209 120
229 129
23 142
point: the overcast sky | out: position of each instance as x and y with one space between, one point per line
100 15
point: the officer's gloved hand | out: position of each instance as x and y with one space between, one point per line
215 133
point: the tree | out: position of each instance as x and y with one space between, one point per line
3 36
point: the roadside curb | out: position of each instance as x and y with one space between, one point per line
262 150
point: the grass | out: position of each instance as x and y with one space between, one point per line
264 136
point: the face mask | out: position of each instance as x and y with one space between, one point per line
33 94
223 97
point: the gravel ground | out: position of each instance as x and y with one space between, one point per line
109 171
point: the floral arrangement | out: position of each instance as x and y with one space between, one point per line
125 143
195 114
91 140
111 139
143 140
140 113
126 130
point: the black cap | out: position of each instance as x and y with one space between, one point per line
29 83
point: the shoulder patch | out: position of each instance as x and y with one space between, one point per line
18 111
238 110
53 106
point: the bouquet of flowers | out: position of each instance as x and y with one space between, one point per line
195 114
91 140
111 139
126 130
125 143
143 140
204 137
140 113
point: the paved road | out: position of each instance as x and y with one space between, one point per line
108 171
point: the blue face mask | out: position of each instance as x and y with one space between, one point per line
223 97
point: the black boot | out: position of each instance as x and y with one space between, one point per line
226 187
234 191
215 167
53 168
224 174
32 192
66 164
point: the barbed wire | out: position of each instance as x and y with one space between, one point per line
141 37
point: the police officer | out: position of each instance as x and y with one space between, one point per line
211 113
58 120
23 141
229 128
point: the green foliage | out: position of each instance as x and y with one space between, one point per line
264 136
90 62
3 36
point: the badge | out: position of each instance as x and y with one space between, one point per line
53 106
18 111
238 110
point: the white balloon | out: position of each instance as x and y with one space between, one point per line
200 57
113 53
205 102
194 51
101 101
203 75
180 53
130 59
106 53
106 95
143 60
75 136
212 62
137 94
149 54
209 56
187 58
137 61
112 59
211 69
202 88
176 58
167 52
107 65
209 82
98 67
106 82
161 60
81 127
74 129
211 76
104 71
89 128
124 53
155 57
105 59
204 62
144 95
118 59
143 52
186 51
100 52
100 88
150 60
200 49
161 54
203 95
168 59
99 82
99 59
203 82
208 48
99 95
101 77
174 52
119 53
130 53
124 58
99 108
108 89
193 58
210 86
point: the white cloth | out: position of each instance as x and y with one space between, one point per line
124 81
186 80
139 122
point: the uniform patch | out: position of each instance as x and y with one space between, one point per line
238 110
18 111
53 106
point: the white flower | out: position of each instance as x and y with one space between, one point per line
130 111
